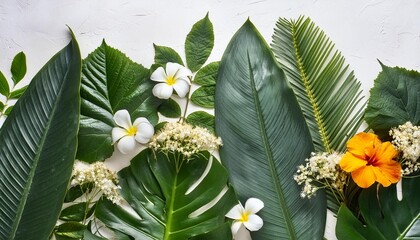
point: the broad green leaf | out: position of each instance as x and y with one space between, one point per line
18 68
327 91
199 43
207 75
221 233
18 92
70 230
74 212
37 148
169 198
110 82
169 108
386 217
204 97
201 119
4 85
164 55
87 235
394 100
265 138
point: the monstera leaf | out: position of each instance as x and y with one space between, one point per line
265 138
37 148
172 201
110 82
386 217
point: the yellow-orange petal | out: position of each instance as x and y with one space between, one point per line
391 170
381 177
364 177
387 152
350 163
358 144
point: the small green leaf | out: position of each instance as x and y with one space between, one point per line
8 110
159 126
4 85
17 93
164 55
199 43
207 75
204 96
170 109
70 230
77 191
75 212
1 106
202 119
18 68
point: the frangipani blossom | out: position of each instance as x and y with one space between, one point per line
175 76
370 160
246 218
127 134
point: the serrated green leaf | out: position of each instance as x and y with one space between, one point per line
207 75
169 108
202 119
70 230
18 68
394 100
37 148
4 85
265 138
110 82
204 96
75 212
17 93
164 55
199 43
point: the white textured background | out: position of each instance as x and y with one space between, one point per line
364 30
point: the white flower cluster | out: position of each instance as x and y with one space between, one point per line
185 139
102 177
407 141
321 171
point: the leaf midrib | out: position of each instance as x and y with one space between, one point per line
269 154
170 210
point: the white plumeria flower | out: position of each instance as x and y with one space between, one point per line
245 218
127 134
175 77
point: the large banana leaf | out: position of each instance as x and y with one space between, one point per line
169 202
265 138
328 93
37 149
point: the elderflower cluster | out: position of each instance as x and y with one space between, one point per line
407 141
321 171
185 139
102 177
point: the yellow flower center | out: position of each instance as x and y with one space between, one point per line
170 80
131 131
244 216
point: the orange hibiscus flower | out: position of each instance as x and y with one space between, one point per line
370 160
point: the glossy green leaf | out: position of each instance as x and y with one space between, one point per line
8 110
70 230
164 55
18 68
222 233
18 92
87 235
201 119
199 43
37 148
204 96
110 82
207 75
74 212
1 106
77 191
169 108
394 100
4 85
265 138
169 202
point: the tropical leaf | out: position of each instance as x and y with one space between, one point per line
204 96
37 149
328 93
111 82
170 199
265 138
18 68
207 75
164 55
201 119
169 108
394 100
386 217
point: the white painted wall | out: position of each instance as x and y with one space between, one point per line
364 30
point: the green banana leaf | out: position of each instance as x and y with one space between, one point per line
169 203
265 138
37 148
386 217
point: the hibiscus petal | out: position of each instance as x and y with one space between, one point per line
118 133
181 87
358 144
391 171
126 144
253 205
387 152
235 212
254 223
122 118
162 91
236 225
364 177
350 163
380 177
158 75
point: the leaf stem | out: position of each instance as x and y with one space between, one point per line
182 119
